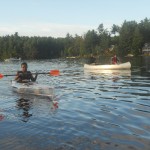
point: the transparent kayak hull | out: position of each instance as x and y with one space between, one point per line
33 88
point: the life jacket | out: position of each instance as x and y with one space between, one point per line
114 60
24 75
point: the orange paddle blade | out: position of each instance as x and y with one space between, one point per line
54 72
1 76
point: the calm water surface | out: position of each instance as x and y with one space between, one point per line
95 110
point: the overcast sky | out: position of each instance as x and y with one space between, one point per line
56 18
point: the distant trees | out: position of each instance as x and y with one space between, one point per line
133 36
130 37
126 37
30 47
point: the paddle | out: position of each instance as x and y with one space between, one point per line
52 73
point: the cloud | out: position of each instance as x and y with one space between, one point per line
44 29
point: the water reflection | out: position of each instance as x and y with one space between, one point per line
1 117
108 72
25 107
114 75
113 108
146 63
141 71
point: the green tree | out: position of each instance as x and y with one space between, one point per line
144 27
115 29
90 41
126 37
137 42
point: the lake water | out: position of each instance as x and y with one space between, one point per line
91 110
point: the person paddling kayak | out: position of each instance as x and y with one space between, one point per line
24 76
114 60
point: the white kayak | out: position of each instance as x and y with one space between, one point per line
33 88
126 65
12 59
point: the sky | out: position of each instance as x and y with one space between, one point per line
56 18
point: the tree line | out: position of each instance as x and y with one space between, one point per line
130 37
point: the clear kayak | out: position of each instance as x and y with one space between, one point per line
33 88
126 65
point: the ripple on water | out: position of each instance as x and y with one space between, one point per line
95 111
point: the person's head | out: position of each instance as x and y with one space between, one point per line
115 56
24 66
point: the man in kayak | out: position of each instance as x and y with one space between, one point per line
114 60
24 76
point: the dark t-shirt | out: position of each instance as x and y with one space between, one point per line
25 75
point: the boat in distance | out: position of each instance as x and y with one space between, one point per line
126 65
12 59
33 88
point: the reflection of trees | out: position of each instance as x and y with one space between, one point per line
24 105
146 62
145 66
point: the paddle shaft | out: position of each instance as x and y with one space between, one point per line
7 75
52 73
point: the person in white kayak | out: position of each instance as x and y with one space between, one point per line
24 75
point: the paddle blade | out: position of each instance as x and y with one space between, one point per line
54 73
1 76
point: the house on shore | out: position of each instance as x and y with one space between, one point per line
146 49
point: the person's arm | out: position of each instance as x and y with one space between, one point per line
18 77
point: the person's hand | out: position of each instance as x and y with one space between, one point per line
20 75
